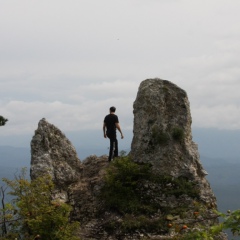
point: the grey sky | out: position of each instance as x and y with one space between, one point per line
69 61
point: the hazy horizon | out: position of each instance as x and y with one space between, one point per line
212 143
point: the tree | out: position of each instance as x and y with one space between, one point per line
3 121
8 217
34 212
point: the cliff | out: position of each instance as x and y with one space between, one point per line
159 191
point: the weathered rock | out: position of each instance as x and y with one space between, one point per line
53 154
162 134
84 193
162 137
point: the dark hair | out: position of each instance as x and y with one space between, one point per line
112 109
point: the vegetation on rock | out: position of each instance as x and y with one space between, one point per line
178 134
159 136
131 192
135 192
126 191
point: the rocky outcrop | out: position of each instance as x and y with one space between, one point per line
169 179
53 154
162 134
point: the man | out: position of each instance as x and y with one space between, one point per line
110 124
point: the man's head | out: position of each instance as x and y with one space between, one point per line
112 109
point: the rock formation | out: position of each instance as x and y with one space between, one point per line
162 134
52 153
172 188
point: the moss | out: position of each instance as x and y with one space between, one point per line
178 134
150 122
165 89
150 147
159 136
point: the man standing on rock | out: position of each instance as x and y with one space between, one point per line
110 124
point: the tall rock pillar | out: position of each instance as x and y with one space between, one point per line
162 134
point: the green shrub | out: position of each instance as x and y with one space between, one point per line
35 212
126 191
120 189
159 136
124 183
178 134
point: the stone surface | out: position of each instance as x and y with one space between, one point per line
52 153
162 134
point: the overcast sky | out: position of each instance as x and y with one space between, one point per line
69 61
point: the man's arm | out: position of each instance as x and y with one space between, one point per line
104 130
119 129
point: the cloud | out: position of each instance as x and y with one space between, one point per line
106 89
221 116
69 62
81 115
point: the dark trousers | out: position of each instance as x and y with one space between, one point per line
113 151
